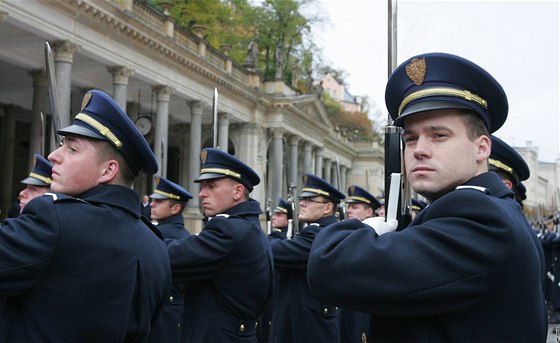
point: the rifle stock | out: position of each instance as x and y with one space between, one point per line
394 164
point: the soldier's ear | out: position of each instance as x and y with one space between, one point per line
109 171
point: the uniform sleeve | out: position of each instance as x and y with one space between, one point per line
294 253
199 257
449 261
27 245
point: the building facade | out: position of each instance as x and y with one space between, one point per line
164 77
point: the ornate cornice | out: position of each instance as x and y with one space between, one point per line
114 18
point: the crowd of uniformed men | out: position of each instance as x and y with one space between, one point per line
81 264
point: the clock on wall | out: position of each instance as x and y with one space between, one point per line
144 125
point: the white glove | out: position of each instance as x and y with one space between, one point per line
380 226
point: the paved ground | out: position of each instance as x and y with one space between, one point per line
553 337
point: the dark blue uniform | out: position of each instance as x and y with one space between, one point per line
227 274
167 328
297 315
449 277
81 270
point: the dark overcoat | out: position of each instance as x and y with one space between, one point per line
468 269
297 315
167 328
82 269
227 274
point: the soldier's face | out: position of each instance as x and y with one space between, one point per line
219 195
359 211
76 166
161 209
279 220
439 155
29 193
312 209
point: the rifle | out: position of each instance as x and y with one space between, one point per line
341 209
268 212
53 93
41 143
293 224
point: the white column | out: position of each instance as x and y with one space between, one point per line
163 95
120 82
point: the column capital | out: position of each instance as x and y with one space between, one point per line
64 50
224 116
39 77
163 92
196 106
294 140
120 74
277 132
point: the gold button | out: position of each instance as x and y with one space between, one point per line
241 327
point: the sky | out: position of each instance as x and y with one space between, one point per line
515 41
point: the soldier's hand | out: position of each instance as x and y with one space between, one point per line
380 226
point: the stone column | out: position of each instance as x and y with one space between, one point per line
64 51
120 82
276 166
319 162
223 131
194 154
327 162
163 95
40 105
294 140
307 158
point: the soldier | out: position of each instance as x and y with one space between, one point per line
361 204
508 164
297 315
168 202
37 183
79 264
354 325
280 217
226 270
467 267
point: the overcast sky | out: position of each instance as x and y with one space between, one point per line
515 41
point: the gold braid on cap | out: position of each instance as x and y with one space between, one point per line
102 129
41 178
360 199
281 209
500 165
445 91
316 190
226 172
169 195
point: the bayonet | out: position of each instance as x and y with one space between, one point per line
341 208
215 119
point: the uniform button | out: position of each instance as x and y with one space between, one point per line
171 299
241 327
325 310
256 324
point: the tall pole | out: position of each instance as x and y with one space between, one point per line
391 37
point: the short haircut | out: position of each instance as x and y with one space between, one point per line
106 152
475 125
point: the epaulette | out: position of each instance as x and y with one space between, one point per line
476 188
58 197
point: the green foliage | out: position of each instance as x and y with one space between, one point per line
283 25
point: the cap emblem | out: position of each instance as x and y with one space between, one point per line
85 100
157 180
203 155
352 190
304 179
416 70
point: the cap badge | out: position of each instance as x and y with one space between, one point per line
203 155
85 100
352 190
416 70
305 179
157 180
